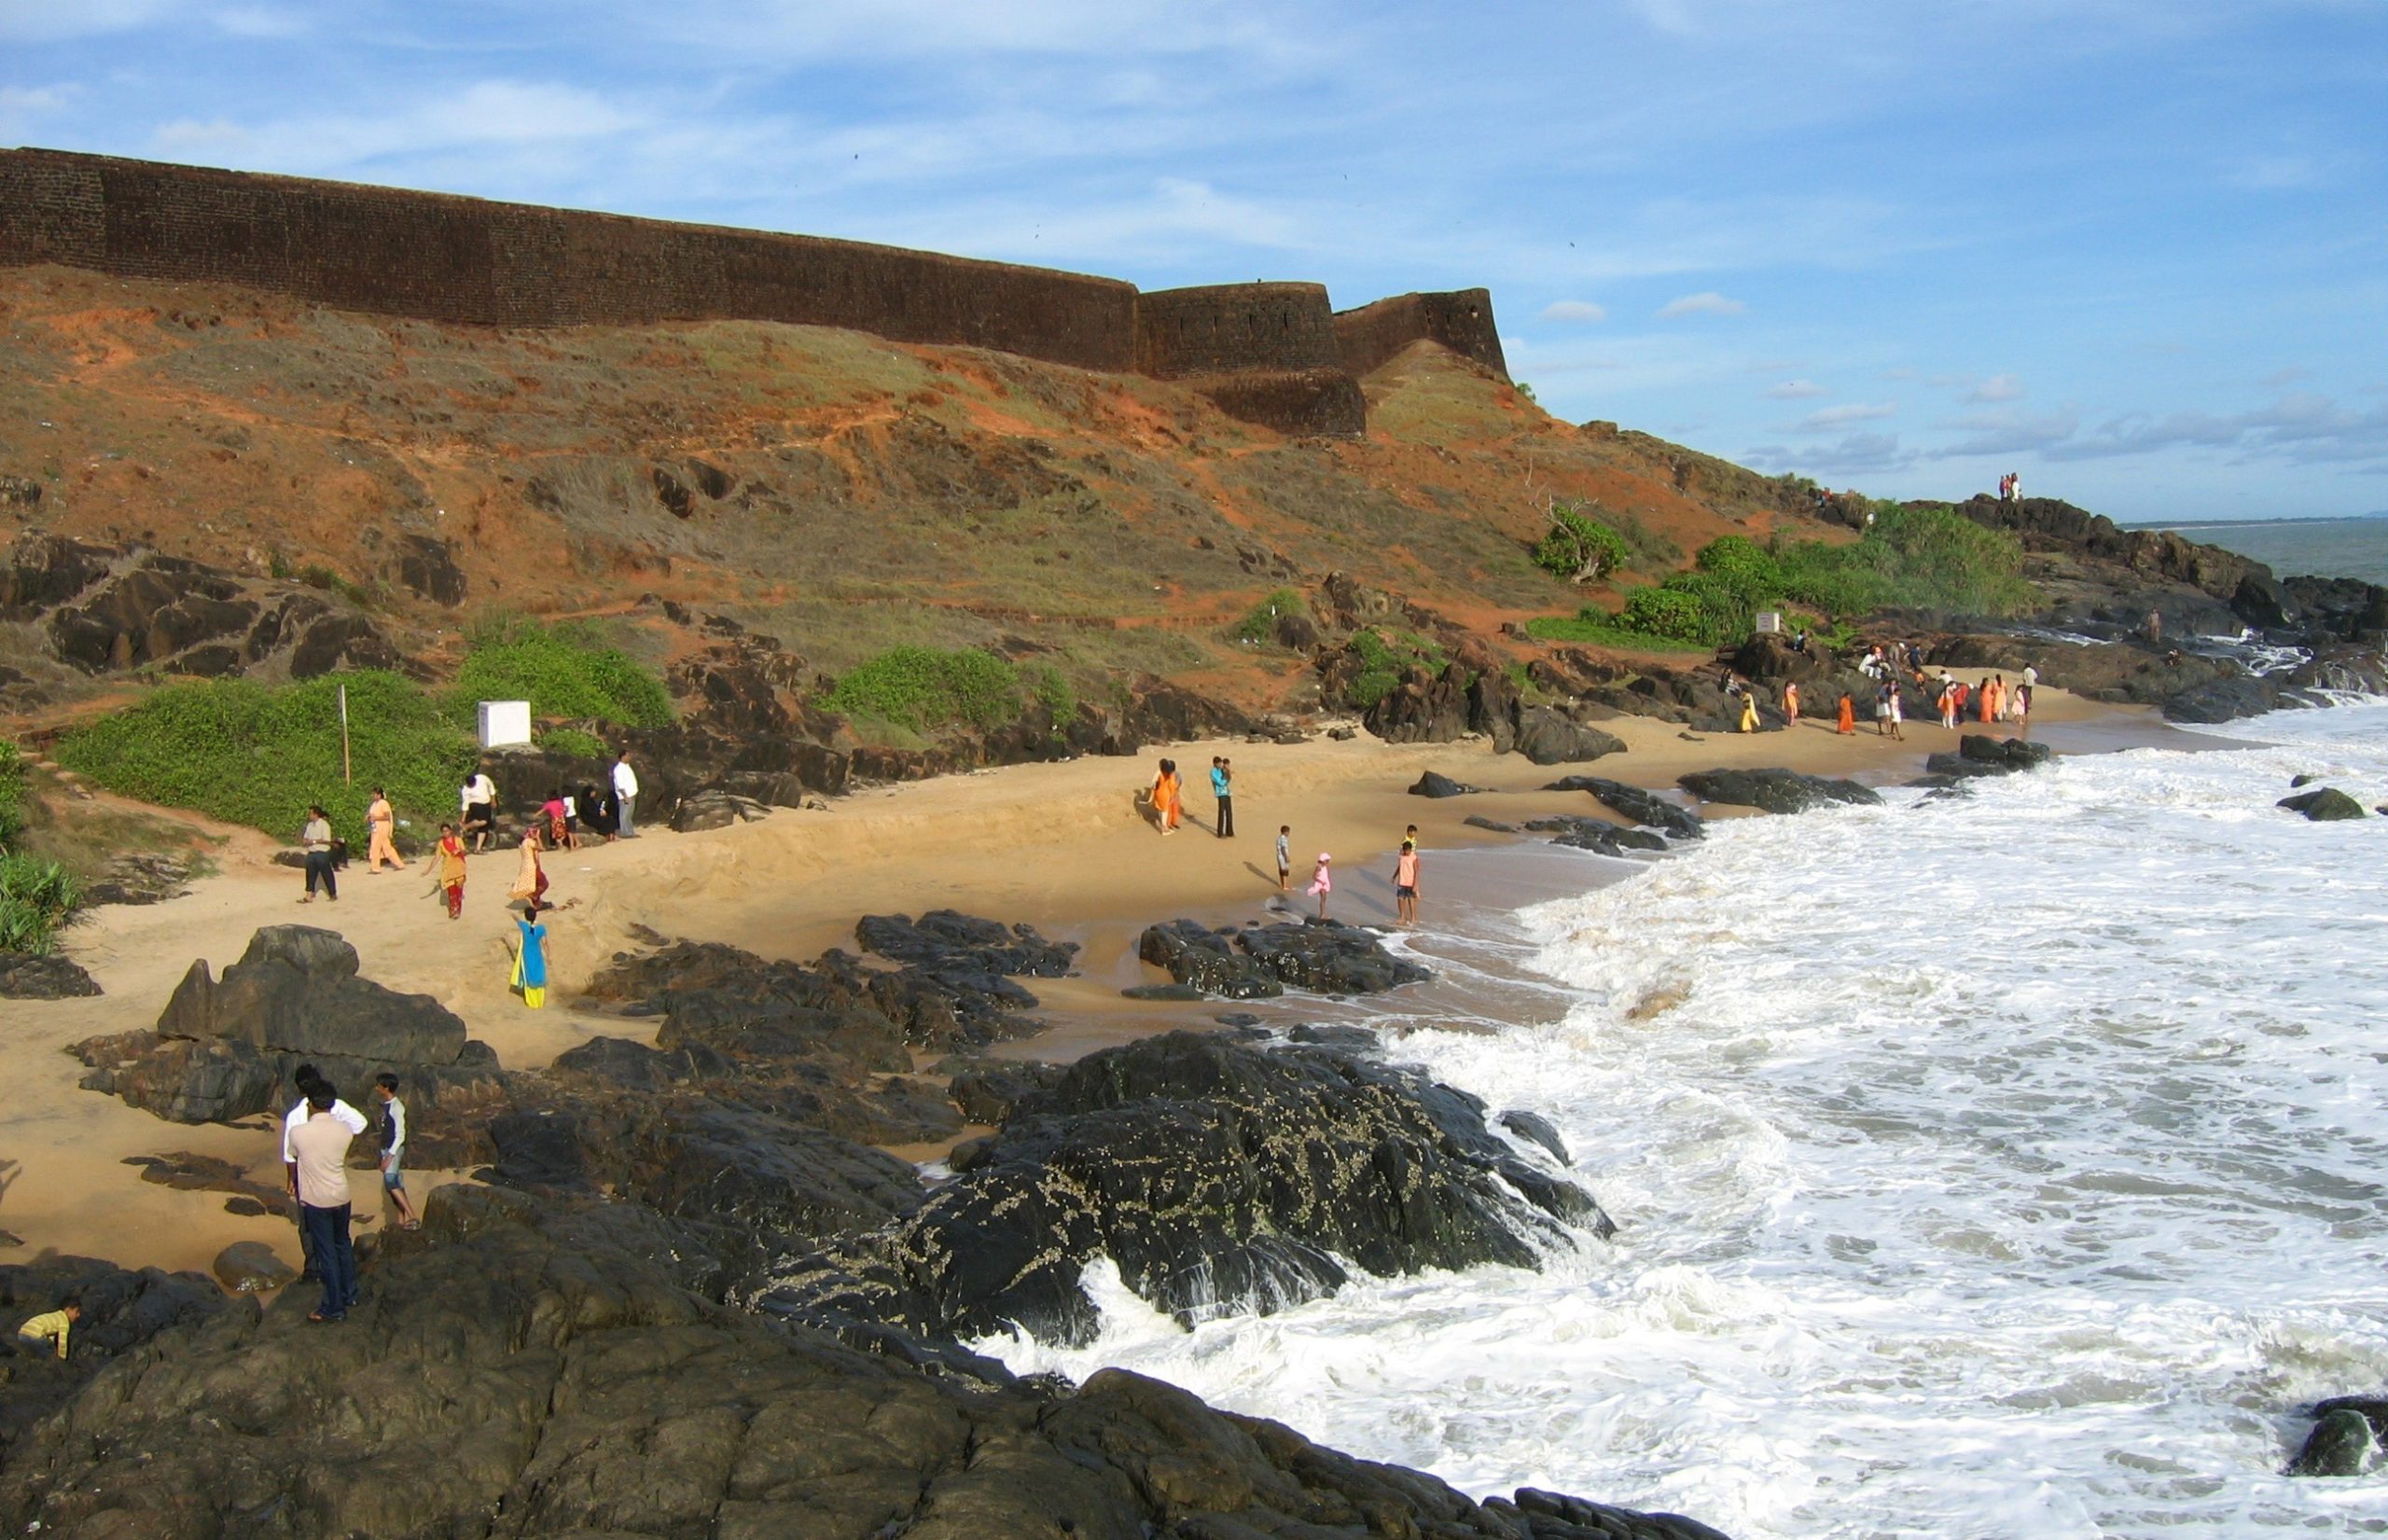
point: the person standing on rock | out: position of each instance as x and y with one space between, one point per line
448 865
531 960
480 799
319 1180
625 794
1405 882
1322 883
316 840
394 1149
1223 793
382 825
306 1079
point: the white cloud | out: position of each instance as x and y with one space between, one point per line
1855 454
1795 390
1841 417
1998 387
56 20
487 114
1706 302
2274 174
2282 377
2009 433
1574 309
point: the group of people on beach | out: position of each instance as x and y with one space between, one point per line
1164 802
317 1133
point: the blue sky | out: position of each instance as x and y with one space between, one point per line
2136 249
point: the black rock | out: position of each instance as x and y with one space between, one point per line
2297 781
1477 821
42 976
1194 955
1775 790
1327 958
251 1266
1537 1128
1161 991
945 938
1432 784
1216 1176
1644 807
988 1092
295 990
2343 1443
2326 805
1549 737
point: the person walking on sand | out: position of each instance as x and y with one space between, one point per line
1405 882
625 794
381 825
1898 709
316 840
1847 715
37 1334
448 867
1165 797
1285 857
319 1180
1948 703
394 1149
1322 883
1984 702
1791 701
1223 793
554 822
1749 710
529 878
2031 682
530 960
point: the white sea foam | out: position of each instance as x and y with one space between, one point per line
2000 1166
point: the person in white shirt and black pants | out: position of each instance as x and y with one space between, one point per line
625 792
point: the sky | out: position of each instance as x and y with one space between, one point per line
2134 250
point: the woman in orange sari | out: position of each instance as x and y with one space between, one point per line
1165 797
1791 700
1847 715
1987 696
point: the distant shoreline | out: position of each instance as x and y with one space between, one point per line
2257 524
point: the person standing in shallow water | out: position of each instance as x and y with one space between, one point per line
1322 883
381 825
1405 882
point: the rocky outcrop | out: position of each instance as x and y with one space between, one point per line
544 1364
1979 754
1597 835
1646 809
1437 785
1775 790
226 1047
42 976
124 1310
2345 1439
1548 736
1216 1176
1261 962
2326 804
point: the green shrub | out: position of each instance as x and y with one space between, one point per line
562 671
1383 660
36 898
1578 546
258 755
1052 690
1666 611
12 795
926 688
1594 627
1260 627
574 741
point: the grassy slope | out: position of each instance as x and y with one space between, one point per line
875 494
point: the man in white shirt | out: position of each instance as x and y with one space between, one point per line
319 1175
307 1079
479 800
625 792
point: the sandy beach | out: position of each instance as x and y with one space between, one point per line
1061 846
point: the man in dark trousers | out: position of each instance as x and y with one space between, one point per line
1223 793
319 1180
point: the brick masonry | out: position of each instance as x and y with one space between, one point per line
1273 353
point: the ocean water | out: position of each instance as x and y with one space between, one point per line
2337 547
2005 1166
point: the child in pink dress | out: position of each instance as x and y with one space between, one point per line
1322 883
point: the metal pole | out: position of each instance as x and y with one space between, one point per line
344 774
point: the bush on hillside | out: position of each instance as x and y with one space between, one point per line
1579 548
562 671
12 795
923 689
256 755
1384 659
1260 627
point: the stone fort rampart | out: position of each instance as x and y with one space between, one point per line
1274 354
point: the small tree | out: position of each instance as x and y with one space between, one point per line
1577 546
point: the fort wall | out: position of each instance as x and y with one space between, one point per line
1273 353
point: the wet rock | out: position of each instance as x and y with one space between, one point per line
42 976
1775 790
1477 821
987 1093
1644 807
2343 1443
1434 784
184 1172
944 936
251 1266
1327 958
1547 738
1536 1129
2223 700
1191 954
1161 991
2326 805
1216 1176
2297 781
1980 755
1597 835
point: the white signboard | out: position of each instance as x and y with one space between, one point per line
1768 621
504 723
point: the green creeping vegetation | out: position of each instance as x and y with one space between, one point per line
1384 659
253 754
12 795
562 671
37 899
1927 556
921 690
1260 626
1052 688
1595 626
572 742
